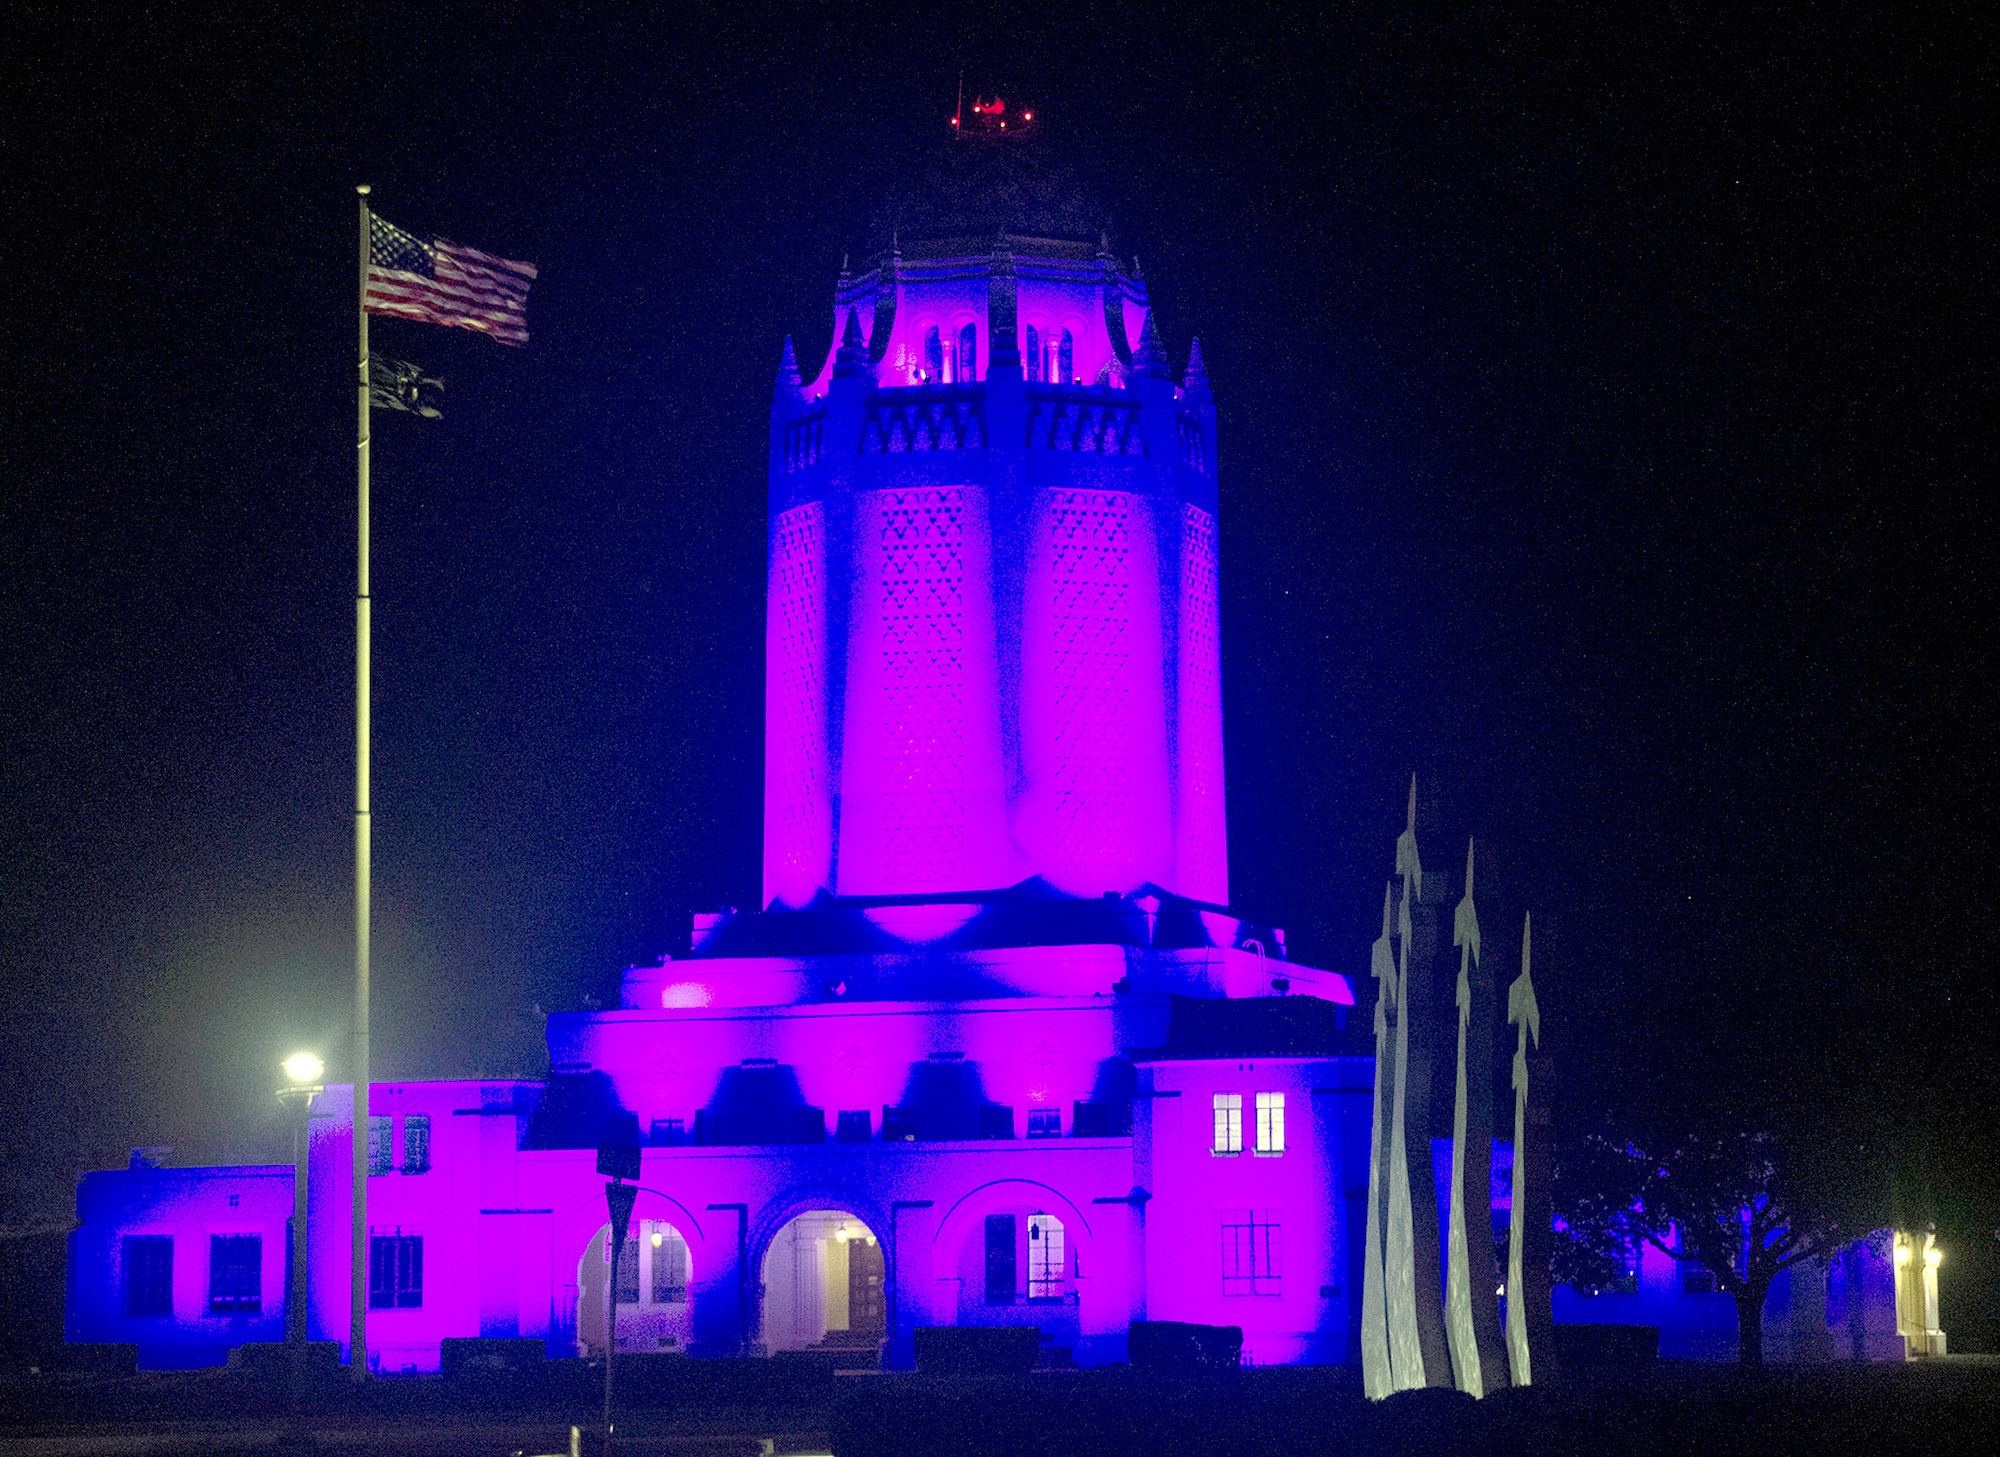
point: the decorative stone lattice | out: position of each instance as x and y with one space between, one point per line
798 815
922 562
1201 831
1092 669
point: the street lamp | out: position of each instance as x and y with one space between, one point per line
304 1071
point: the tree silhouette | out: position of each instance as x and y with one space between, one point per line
1731 1202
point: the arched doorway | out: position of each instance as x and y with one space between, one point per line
654 1312
822 1280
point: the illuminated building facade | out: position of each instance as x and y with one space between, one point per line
994 1051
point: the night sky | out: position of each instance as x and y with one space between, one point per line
1605 429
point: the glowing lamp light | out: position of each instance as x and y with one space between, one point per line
303 1067
1902 1254
658 1238
1933 1257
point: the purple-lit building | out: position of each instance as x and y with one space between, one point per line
994 1051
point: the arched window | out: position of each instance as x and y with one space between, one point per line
667 1260
1065 374
968 353
1046 1264
933 356
1034 353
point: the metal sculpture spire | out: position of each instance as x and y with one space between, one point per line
1377 1375
1399 1253
1461 1328
1526 1013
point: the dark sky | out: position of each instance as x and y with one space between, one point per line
1600 403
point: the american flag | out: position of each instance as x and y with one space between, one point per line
435 281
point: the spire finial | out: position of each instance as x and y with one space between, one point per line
1197 372
1151 356
788 366
853 355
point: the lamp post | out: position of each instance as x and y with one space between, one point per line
618 1159
303 1072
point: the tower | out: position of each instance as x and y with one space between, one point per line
992 647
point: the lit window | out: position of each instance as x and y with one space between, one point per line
1001 1272
1228 1123
1045 1123
1065 370
1270 1123
933 355
395 1271
1045 1257
417 1144
968 353
1034 353
149 1274
1251 1254
381 1145
235 1274
668 1254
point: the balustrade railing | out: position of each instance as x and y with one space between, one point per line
1101 420
923 419
805 440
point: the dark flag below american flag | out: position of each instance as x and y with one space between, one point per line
435 281
394 385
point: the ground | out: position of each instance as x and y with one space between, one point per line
1936 1409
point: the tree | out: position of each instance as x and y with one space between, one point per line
1729 1202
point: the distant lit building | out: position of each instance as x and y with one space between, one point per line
994 1051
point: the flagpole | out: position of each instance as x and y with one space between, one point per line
358 1266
